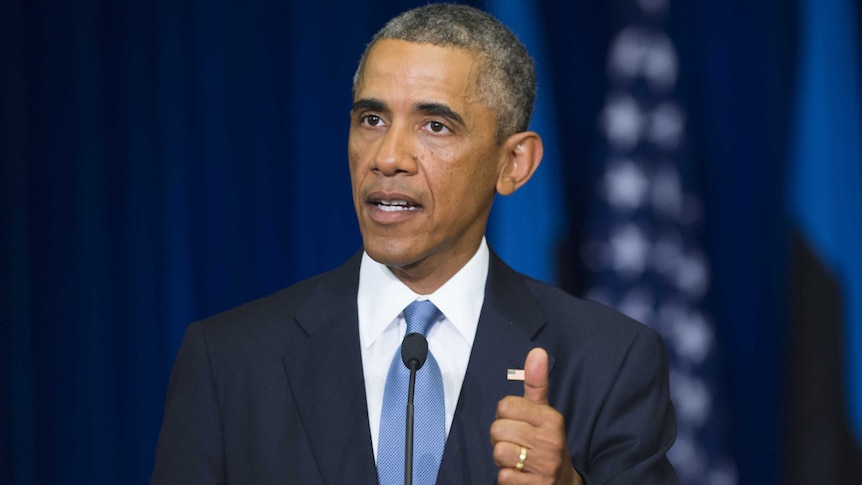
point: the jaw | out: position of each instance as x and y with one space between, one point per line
416 257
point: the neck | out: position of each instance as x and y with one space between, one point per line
420 282
428 274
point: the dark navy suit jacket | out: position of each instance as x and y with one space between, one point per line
272 392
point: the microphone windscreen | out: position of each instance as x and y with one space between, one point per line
414 347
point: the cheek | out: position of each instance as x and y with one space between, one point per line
354 157
353 166
352 150
456 188
442 154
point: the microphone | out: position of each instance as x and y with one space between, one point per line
414 351
414 348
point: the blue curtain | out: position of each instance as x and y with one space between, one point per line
161 161
738 59
528 227
825 185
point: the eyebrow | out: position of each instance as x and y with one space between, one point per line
432 109
371 104
439 109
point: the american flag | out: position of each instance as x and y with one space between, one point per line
644 238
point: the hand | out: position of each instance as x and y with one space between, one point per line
529 422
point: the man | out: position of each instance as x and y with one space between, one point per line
295 387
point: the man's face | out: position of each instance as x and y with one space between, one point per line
423 157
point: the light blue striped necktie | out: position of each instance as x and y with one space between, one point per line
429 429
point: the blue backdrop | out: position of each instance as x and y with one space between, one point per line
161 161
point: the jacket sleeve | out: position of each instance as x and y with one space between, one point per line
190 449
636 420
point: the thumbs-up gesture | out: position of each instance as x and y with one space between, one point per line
529 436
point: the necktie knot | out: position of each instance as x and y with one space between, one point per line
421 316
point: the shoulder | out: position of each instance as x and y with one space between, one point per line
588 332
609 380
559 320
601 356
260 322
577 314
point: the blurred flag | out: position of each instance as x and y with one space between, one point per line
825 202
643 244
526 227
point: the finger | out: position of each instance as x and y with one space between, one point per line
510 476
507 455
512 431
536 376
517 408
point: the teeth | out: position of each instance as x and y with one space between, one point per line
394 205
391 207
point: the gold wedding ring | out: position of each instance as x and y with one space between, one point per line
521 459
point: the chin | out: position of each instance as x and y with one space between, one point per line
389 252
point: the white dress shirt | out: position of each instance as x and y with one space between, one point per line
381 301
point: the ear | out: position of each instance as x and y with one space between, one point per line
521 154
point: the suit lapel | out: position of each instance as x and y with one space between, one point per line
509 321
324 367
334 411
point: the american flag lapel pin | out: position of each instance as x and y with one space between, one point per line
515 374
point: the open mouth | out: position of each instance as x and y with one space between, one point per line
395 205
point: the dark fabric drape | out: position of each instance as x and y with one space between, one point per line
741 58
161 161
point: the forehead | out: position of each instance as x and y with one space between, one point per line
398 70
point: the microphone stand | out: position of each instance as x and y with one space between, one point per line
414 351
408 429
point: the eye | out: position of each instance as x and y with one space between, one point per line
371 120
437 127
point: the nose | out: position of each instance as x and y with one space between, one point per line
396 152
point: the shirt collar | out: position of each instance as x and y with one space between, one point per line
382 297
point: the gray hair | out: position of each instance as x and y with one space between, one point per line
507 76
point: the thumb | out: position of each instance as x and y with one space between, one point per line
536 376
